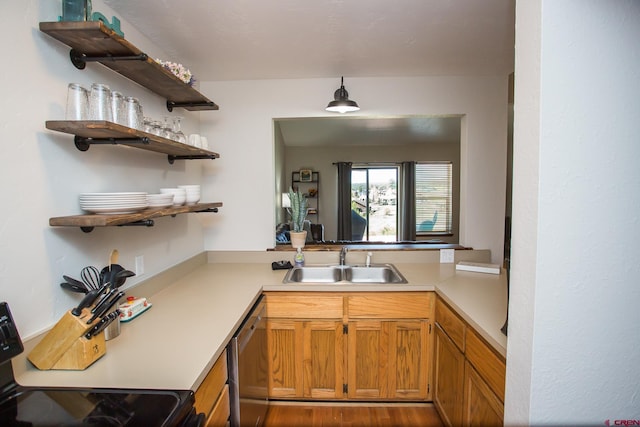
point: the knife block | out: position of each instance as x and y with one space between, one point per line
65 347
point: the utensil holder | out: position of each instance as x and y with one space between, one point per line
65 347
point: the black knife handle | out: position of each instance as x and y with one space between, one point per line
106 306
86 302
104 300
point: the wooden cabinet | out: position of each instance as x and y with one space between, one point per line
469 374
388 345
448 378
481 405
212 397
306 345
349 345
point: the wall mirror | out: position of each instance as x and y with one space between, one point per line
379 151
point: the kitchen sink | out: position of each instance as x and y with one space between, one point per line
345 274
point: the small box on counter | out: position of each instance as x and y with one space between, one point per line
132 308
478 267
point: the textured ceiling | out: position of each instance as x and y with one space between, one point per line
285 39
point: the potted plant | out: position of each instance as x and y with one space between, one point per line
299 209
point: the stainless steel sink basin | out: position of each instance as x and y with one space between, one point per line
345 274
314 274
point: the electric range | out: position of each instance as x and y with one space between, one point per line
96 407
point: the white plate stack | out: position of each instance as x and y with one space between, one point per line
161 200
192 193
113 203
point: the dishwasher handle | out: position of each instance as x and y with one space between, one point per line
251 326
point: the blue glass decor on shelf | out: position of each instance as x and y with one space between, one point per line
76 10
80 10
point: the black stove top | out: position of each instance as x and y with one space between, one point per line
95 407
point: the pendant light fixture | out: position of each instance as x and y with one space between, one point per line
341 102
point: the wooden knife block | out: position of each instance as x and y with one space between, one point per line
65 347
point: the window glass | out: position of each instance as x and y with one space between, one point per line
433 197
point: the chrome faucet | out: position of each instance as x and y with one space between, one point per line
343 255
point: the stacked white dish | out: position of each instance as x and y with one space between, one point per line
160 200
192 193
179 195
113 203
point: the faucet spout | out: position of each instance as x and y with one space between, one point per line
343 255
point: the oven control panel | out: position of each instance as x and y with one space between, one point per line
10 342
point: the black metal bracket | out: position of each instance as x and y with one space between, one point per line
173 104
214 210
141 223
173 158
79 60
83 143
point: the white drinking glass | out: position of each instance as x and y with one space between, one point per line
117 108
195 140
77 103
100 103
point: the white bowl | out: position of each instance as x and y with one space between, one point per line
192 199
190 187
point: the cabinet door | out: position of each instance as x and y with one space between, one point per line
285 344
409 359
388 359
481 405
323 359
368 359
307 358
448 379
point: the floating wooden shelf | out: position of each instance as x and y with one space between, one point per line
89 132
144 217
92 41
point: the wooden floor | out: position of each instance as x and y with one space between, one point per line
360 415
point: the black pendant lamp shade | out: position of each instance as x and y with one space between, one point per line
341 102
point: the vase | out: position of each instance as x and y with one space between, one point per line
76 10
298 238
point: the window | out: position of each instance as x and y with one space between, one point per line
374 203
433 197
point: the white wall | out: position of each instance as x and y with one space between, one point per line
242 132
572 356
43 173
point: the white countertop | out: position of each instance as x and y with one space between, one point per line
175 343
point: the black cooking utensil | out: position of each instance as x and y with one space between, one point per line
73 288
76 282
117 275
91 277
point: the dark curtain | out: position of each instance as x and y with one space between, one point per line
408 202
344 200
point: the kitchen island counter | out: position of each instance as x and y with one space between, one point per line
175 343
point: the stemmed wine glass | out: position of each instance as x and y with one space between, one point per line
177 130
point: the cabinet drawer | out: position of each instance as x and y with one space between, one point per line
489 365
212 386
452 325
383 305
307 306
220 415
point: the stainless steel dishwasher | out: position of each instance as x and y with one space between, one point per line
248 380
